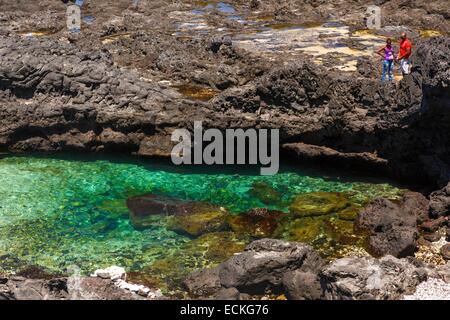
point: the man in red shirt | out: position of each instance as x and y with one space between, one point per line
404 54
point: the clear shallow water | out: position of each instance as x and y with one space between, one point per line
56 213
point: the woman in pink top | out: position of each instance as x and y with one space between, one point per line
387 52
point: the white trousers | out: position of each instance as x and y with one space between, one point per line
406 66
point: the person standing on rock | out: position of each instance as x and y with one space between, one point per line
404 54
387 52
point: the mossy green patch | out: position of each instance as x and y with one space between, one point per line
350 213
202 219
266 193
318 203
257 223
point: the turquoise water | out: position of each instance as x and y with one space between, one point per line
56 213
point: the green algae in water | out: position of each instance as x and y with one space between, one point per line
57 213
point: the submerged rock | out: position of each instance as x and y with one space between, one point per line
258 223
207 251
216 247
342 232
265 193
191 217
318 203
302 230
367 278
200 218
350 213
143 208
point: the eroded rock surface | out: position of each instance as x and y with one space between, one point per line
367 278
57 97
295 269
393 224
84 288
440 202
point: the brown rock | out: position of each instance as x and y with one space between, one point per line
433 225
445 251
258 222
432 237
392 225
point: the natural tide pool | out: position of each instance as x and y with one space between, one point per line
56 213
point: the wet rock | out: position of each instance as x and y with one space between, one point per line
367 278
206 251
318 203
440 202
258 223
342 232
302 230
392 225
200 218
266 193
36 272
350 213
190 217
264 262
216 247
300 285
143 208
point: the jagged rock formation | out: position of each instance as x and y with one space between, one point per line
368 278
393 224
84 288
296 270
54 97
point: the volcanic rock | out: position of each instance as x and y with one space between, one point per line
300 285
318 203
259 223
190 217
440 202
392 224
367 278
264 262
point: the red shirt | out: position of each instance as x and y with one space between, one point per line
404 46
